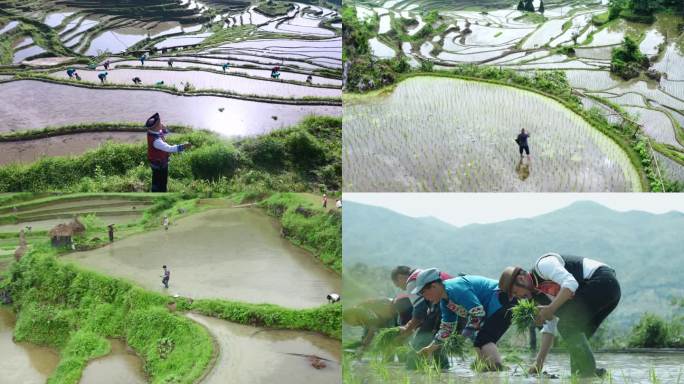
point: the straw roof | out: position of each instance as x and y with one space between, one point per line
66 230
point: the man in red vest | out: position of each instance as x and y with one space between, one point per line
575 295
158 152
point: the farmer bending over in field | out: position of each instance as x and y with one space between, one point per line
275 72
102 76
225 66
71 72
522 142
170 62
574 294
475 298
158 152
376 314
136 80
425 317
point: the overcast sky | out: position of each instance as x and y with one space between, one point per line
467 208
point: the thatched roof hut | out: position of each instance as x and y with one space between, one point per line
62 233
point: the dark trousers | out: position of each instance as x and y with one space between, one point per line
165 281
580 317
496 324
160 177
524 148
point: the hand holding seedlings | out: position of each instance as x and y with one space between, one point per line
427 351
545 314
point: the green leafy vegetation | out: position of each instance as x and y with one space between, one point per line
627 61
287 159
653 331
74 310
314 229
325 319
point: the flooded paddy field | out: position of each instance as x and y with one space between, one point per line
55 104
50 38
22 362
420 139
245 351
121 365
229 248
209 81
501 36
624 368
28 151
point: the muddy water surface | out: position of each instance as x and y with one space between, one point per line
624 368
22 362
234 254
28 151
207 80
54 105
258 355
120 366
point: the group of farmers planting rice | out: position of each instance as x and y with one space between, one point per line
102 76
439 311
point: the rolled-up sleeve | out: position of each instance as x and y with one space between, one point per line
551 268
550 326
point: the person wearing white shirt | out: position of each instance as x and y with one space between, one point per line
575 295
158 152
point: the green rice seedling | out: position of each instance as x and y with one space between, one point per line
387 340
455 346
523 315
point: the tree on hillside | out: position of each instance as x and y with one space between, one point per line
521 6
642 7
541 7
529 5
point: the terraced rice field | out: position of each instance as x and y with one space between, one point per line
461 138
504 37
199 38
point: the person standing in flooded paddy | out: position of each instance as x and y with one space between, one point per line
158 152
166 276
522 143
575 294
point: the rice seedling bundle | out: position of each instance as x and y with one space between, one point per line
523 314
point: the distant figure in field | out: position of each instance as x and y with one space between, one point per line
275 72
106 65
166 276
522 142
110 231
160 82
77 76
143 58
325 200
165 223
170 62
137 81
338 204
225 66
309 79
333 298
158 152
102 76
71 72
